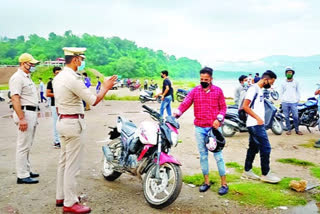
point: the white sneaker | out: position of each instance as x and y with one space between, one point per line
250 175
270 178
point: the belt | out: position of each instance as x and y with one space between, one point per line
30 108
71 116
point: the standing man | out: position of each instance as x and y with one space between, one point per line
42 91
242 87
69 92
98 87
250 79
256 78
56 141
209 111
317 92
24 98
167 94
145 84
253 105
290 97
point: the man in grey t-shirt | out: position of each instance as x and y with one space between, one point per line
241 87
290 97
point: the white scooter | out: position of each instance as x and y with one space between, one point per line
146 96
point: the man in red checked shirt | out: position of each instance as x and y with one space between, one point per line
209 111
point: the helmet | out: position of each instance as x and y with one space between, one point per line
215 141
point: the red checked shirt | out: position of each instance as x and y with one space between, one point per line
207 105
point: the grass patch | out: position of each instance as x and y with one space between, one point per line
309 143
116 97
315 171
4 87
295 161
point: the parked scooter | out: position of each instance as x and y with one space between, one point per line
181 94
153 87
308 115
145 150
146 96
232 122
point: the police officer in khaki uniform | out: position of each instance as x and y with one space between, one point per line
24 98
69 93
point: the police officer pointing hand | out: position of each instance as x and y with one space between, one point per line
69 93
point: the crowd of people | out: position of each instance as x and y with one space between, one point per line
70 96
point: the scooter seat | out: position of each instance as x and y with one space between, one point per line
149 92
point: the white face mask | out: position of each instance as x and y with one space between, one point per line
32 69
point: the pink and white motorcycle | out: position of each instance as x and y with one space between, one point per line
144 152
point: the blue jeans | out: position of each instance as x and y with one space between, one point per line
166 104
55 118
201 134
258 142
291 108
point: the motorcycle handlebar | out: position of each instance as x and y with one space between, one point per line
152 112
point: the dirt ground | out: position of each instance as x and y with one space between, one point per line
125 195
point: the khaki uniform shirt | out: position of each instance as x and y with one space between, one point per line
20 83
69 91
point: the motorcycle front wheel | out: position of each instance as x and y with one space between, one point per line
276 127
107 171
227 130
163 192
275 95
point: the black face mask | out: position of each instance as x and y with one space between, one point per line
204 84
266 86
162 77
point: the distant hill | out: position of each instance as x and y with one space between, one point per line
304 66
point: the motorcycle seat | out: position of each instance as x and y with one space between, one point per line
128 127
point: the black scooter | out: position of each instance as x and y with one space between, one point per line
233 123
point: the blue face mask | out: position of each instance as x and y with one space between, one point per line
82 66
32 69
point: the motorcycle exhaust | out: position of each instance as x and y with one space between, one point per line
107 153
231 123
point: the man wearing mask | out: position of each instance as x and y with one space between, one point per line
167 94
242 87
290 97
25 101
69 92
253 105
56 139
209 111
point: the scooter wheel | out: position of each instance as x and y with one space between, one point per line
227 130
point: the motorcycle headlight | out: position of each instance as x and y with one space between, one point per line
174 139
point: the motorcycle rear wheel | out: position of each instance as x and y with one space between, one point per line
107 171
227 130
276 127
161 195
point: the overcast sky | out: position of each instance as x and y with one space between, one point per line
206 30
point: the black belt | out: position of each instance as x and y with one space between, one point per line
30 108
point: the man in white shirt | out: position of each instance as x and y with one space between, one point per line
253 105
290 97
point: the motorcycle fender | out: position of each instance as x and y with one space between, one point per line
165 158
231 123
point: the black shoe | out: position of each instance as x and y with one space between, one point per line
34 175
204 187
27 180
57 145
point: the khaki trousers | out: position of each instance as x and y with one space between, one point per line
70 131
24 143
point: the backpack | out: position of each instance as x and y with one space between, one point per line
242 114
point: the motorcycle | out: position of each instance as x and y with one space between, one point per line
145 150
181 94
149 96
233 123
308 115
133 87
271 92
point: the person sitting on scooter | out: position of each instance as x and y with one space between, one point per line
209 111
243 80
290 97
317 92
